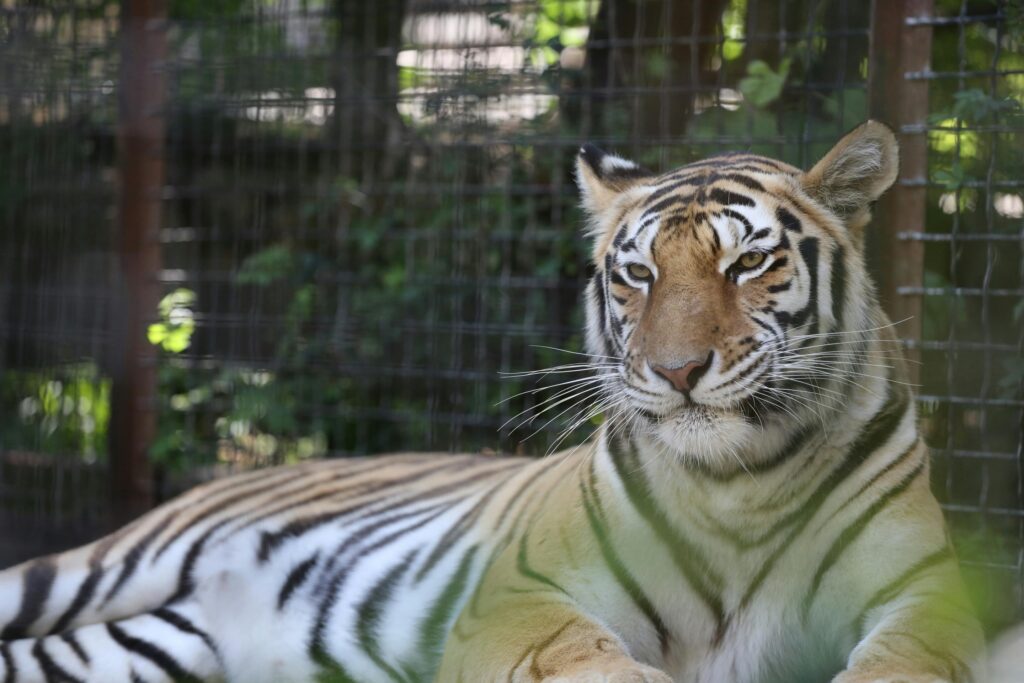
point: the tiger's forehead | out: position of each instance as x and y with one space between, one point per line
720 200
732 162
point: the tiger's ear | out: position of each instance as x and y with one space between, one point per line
863 165
601 177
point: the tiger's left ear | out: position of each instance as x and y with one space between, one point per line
601 177
863 165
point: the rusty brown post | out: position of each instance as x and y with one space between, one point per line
901 49
140 138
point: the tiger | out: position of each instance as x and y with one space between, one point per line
754 506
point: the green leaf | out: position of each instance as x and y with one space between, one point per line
732 49
762 85
952 178
978 105
267 266
174 332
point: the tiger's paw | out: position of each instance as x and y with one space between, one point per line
876 677
628 672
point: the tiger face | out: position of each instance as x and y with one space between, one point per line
729 295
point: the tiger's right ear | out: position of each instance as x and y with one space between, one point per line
601 177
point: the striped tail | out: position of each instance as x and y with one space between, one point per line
167 645
52 594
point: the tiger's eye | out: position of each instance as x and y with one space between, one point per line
638 271
752 259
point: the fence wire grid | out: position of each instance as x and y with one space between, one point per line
353 223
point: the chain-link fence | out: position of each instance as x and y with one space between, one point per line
356 223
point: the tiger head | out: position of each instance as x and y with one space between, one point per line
730 297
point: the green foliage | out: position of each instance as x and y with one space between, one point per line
951 178
763 85
978 106
941 311
63 410
266 267
174 331
733 19
205 10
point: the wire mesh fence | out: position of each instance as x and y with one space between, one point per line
367 225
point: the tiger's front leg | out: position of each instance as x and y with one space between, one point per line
537 637
925 634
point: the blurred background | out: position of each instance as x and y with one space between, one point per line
239 233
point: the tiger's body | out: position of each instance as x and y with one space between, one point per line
755 509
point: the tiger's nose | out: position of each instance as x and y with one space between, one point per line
686 376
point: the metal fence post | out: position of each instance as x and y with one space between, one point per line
140 138
899 46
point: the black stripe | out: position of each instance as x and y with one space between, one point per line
746 181
595 516
599 295
184 625
449 486
809 250
879 474
427 512
714 234
330 595
748 228
763 232
296 577
670 201
456 532
153 653
523 487
787 452
76 647
775 289
900 583
686 556
838 285
958 670
729 198
203 515
852 532
620 236
745 372
776 264
616 325
606 314
134 556
871 437
688 181
185 583
370 611
81 599
52 671
37 582
435 624
10 668
524 568
271 541
328 490
788 220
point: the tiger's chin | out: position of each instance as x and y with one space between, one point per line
721 440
